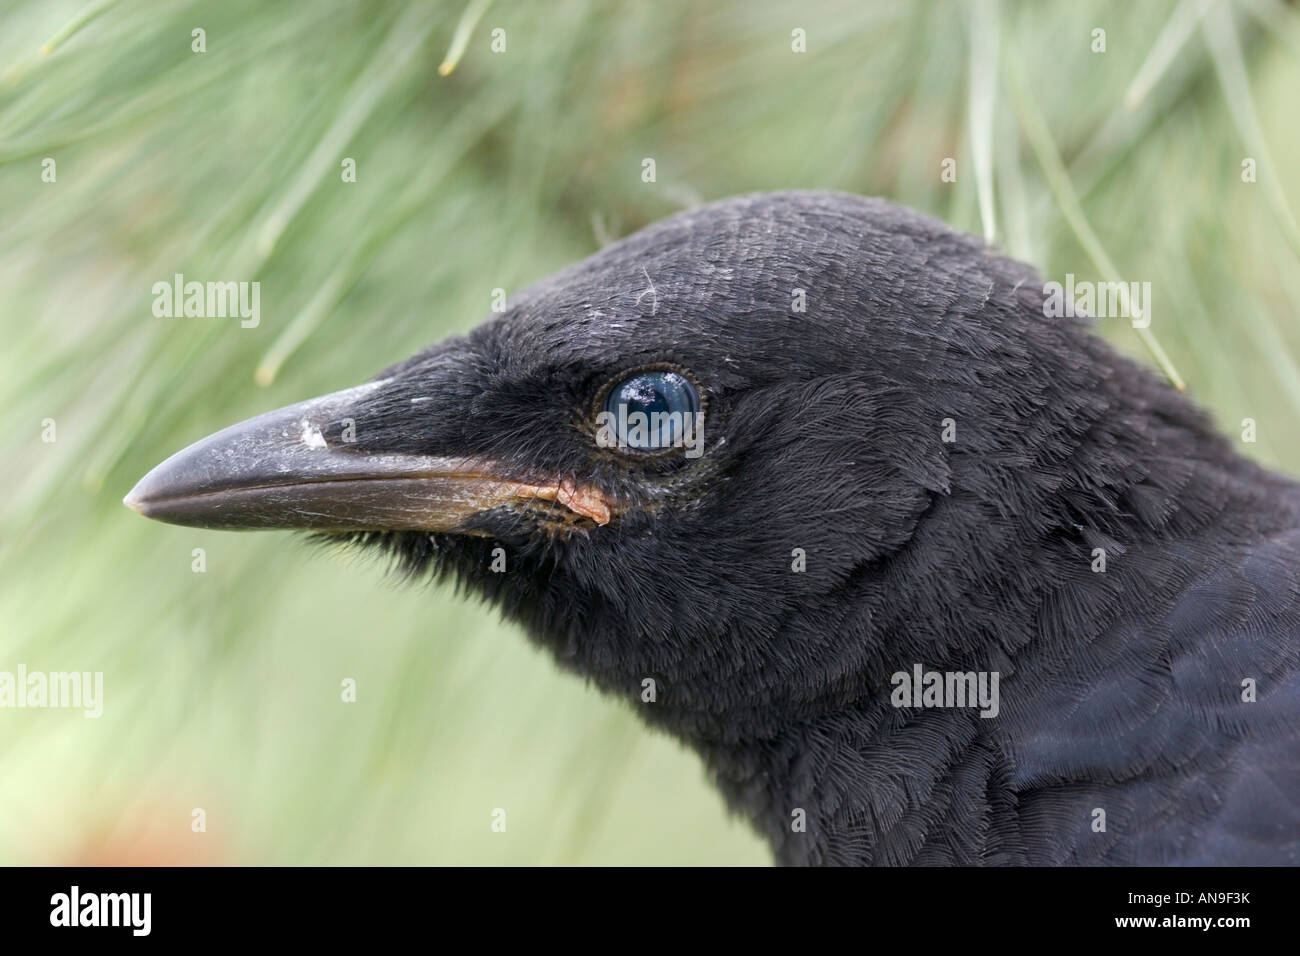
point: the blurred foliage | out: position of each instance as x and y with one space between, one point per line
222 688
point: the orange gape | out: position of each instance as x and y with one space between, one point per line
585 500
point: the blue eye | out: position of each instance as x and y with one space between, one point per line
651 411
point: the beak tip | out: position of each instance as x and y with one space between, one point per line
137 499
133 501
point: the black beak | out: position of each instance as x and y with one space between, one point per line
278 471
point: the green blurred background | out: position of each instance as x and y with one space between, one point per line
222 688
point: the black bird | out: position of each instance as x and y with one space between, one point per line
876 458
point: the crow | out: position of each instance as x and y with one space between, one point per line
823 488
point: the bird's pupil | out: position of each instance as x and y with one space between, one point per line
653 410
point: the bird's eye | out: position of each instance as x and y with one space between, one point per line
651 411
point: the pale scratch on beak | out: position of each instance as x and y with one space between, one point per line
311 436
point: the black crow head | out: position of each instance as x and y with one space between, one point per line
870 440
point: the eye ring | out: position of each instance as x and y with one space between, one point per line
661 411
